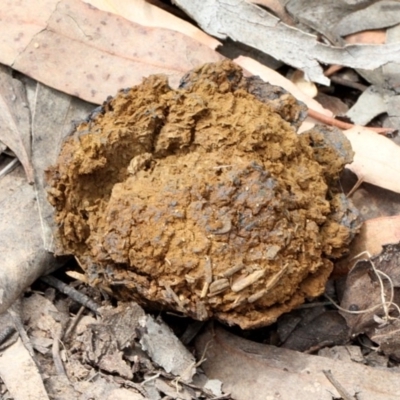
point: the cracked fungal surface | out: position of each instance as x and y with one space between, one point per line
204 200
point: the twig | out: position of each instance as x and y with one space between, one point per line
9 167
345 125
73 323
342 391
15 312
348 83
355 187
333 69
72 293
55 350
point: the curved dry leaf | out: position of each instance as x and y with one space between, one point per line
21 244
376 160
91 54
146 14
15 119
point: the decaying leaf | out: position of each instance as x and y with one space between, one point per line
165 349
256 371
342 19
245 22
311 328
277 7
21 246
145 13
364 292
374 234
371 103
16 366
80 50
15 119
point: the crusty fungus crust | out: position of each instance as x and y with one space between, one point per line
204 200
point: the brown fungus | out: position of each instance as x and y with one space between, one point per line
204 200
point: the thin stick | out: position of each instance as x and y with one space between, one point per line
9 167
55 350
355 187
74 322
333 69
351 84
71 292
342 391
345 125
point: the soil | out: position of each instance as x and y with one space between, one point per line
204 200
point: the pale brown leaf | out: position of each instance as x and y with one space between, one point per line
89 53
376 160
146 14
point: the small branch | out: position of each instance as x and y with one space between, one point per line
56 350
345 125
341 390
71 292
333 69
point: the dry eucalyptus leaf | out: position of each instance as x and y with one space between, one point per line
256 371
376 160
164 348
341 19
21 244
371 103
88 53
15 119
17 366
277 7
247 23
144 13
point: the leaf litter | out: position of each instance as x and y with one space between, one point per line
384 333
